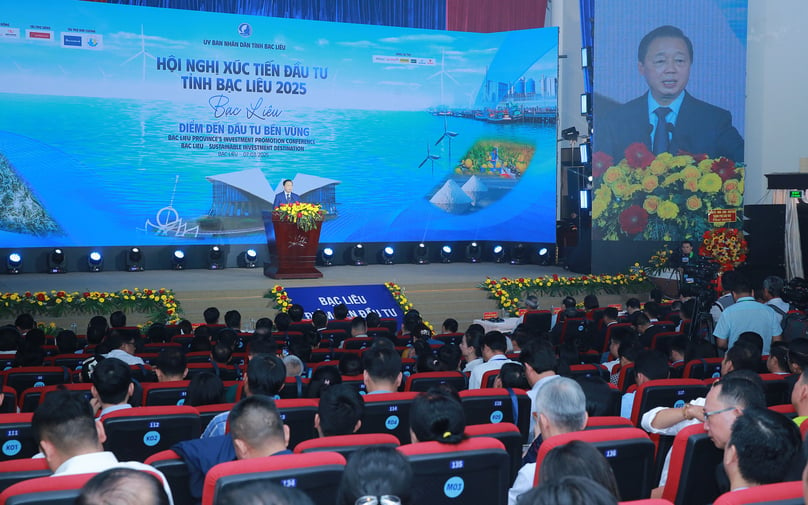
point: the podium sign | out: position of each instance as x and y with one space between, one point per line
293 252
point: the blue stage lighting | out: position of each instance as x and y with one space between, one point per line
95 261
14 263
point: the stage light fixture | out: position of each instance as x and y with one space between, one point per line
473 252
56 261
215 256
178 259
545 256
134 259
358 255
421 254
95 261
14 263
584 151
518 254
327 256
387 255
446 254
586 104
250 258
499 253
570 133
585 57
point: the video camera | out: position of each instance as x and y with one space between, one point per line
796 293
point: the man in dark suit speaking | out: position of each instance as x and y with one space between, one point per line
668 118
286 196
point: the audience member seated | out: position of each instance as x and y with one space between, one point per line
471 347
745 357
746 314
295 312
205 388
185 327
263 326
201 341
632 306
571 490
777 361
437 416
323 378
340 312
761 448
96 330
66 342
650 365
772 295
591 302
122 346
262 493
264 376
211 316
71 440
117 319
350 365
157 334
618 337
677 350
24 323
359 328
373 320
610 316
170 365
123 486
294 366
512 376
560 407
382 366
448 357
493 347
340 411
725 401
798 355
425 360
570 311
540 364
449 326
112 386
10 340
222 353
581 459
282 322
375 471
30 353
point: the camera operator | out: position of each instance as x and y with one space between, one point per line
686 256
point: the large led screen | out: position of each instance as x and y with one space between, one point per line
132 125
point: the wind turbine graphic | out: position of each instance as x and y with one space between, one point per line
142 52
448 136
429 157
442 72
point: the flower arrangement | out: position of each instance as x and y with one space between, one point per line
280 297
659 261
507 292
665 198
726 246
304 215
398 295
160 304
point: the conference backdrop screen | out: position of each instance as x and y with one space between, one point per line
130 125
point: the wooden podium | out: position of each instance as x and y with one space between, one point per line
293 252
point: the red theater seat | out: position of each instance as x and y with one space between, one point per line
649 501
32 397
22 378
665 393
17 437
509 435
388 413
176 472
346 444
165 393
317 474
497 405
783 493
13 471
61 490
424 380
298 414
691 473
473 471
705 368
600 422
629 451
137 433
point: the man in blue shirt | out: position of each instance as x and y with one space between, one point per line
746 314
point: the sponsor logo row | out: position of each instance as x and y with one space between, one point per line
65 39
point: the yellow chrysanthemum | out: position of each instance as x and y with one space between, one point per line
671 179
733 198
604 194
651 204
706 165
620 189
691 185
658 167
731 185
598 208
691 172
668 210
612 174
693 203
710 183
682 161
650 183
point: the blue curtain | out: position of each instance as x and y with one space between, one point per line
428 14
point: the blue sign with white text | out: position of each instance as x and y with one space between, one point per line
360 300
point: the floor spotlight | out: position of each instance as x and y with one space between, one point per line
499 253
358 255
518 254
545 256
56 261
134 259
473 252
327 256
421 254
215 257
250 258
446 254
178 259
95 261
387 255
14 263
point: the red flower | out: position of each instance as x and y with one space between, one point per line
638 155
283 297
86 294
278 289
633 220
299 215
28 294
40 297
61 294
724 167
698 158
600 162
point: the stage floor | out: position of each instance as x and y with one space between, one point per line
437 290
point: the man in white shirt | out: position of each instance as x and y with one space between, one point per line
71 440
123 348
540 362
772 294
112 386
493 348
